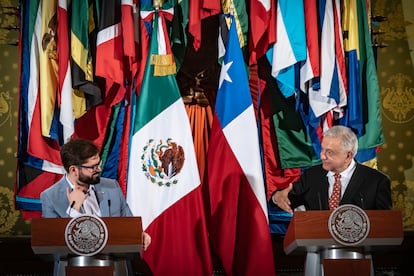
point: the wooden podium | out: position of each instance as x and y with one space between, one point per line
124 238
308 233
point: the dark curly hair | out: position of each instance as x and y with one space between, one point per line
77 152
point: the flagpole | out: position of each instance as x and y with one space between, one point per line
157 3
231 8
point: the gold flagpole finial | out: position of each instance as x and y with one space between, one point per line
157 3
231 8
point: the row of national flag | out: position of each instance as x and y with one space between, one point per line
106 71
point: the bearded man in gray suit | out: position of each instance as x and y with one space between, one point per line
81 190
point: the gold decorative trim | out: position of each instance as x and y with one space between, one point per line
398 99
8 216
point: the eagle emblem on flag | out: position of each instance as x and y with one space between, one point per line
162 161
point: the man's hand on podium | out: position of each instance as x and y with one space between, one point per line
146 240
281 199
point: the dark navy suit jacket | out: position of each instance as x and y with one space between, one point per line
368 188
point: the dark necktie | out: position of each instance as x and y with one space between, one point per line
336 193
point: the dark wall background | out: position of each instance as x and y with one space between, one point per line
10 219
396 74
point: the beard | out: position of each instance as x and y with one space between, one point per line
91 180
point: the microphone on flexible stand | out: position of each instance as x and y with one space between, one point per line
109 207
362 201
71 206
319 201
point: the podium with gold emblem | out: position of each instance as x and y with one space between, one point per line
88 244
341 242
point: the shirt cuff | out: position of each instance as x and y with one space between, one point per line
72 212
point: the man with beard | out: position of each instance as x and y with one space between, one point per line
338 180
82 191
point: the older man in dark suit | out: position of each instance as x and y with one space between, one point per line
338 180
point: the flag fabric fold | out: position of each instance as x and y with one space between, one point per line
332 91
40 130
163 184
263 28
310 68
238 223
86 72
109 50
44 134
370 133
64 74
83 37
198 10
290 47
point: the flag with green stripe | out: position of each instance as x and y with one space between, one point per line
163 182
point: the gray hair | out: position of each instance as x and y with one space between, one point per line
348 137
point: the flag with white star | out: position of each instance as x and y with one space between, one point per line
239 229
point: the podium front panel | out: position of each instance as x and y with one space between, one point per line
124 235
308 230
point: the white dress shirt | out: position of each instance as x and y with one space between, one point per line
345 178
90 205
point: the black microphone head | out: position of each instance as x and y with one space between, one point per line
109 207
362 201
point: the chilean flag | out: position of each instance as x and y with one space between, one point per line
239 229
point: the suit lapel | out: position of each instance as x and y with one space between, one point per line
102 198
63 203
354 185
324 191
322 188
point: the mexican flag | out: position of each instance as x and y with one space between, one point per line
163 184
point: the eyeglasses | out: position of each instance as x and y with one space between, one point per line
92 167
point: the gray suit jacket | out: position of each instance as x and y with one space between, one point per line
110 198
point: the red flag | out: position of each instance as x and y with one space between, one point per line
109 56
109 65
262 28
94 123
276 177
310 69
130 36
200 9
67 117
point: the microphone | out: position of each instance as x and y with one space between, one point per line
362 201
319 201
109 207
71 206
